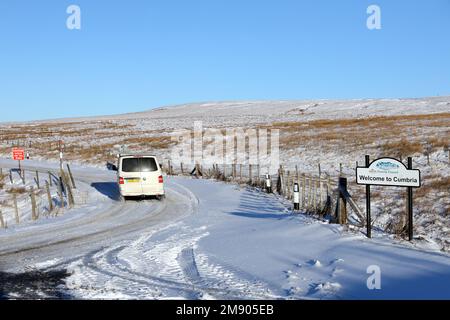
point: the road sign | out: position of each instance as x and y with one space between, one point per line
18 154
388 172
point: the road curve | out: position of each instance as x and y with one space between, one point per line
108 222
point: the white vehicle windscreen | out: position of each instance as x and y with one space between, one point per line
139 165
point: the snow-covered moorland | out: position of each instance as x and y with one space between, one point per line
324 132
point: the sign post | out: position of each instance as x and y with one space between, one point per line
368 218
410 205
19 155
389 172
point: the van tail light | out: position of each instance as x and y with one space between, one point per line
160 179
121 181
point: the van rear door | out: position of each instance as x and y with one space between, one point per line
131 173
150 173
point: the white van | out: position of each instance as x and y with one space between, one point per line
140 175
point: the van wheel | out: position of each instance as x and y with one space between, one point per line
161 197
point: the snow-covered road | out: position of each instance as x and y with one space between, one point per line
102 222
210 240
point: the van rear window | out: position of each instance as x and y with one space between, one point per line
148 164
130 165
139 165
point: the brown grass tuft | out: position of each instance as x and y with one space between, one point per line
402 148
17 190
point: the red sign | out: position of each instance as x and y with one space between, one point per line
18 154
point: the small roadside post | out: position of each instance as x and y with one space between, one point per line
61 161
296 197
61 154
268 183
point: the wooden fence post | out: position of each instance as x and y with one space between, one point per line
2 222
60 194
288 189
10 176
37 180
49 197
72 180
240 172
314 195
299 182
33 205
341 203
258 172
249 173
198 170
279 186
70 198
182 170
448 151
304 191
320 193
309 193
16 209
23 176
50 178
329 186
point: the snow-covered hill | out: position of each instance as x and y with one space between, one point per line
244 113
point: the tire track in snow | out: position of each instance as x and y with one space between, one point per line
160 266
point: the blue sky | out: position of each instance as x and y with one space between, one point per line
135 55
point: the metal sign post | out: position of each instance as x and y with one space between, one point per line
389 172
410 205
368 218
